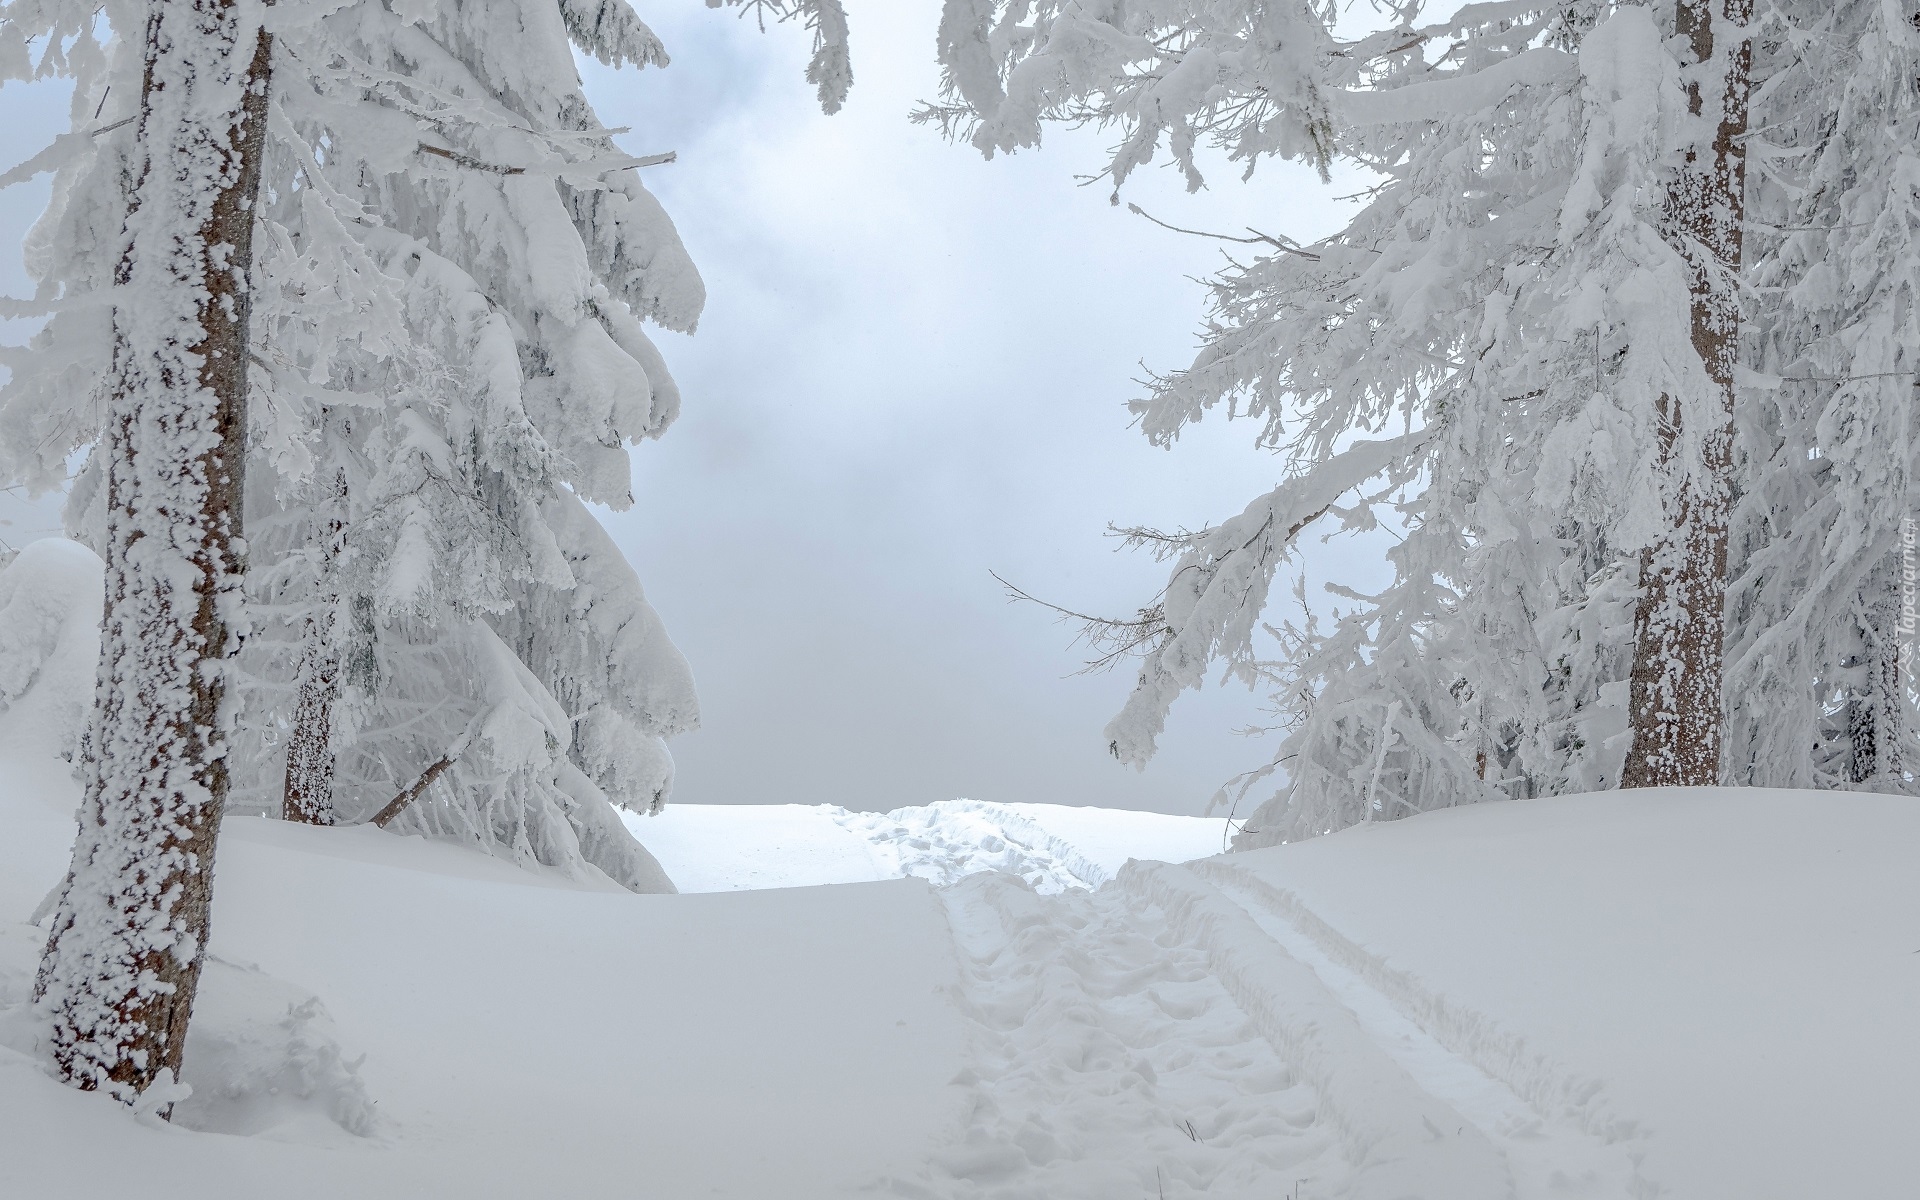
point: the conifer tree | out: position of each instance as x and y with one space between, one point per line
1529 341
1679 620
443 334
123 958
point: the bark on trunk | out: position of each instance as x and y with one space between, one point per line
1675 699
308 794
123 959
415 790
1875 709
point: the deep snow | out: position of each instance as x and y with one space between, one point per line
1724 980
1684 994
525 1036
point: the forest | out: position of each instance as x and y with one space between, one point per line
1528 517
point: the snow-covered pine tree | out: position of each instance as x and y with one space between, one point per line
590 254
1676 703
1823 446
455 264
520 252
1507 307
122 961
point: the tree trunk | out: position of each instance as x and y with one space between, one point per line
308 794
123 959
1675 699
1875 708
416 789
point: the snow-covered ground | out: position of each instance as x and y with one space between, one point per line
1683 994
524 1036
720 848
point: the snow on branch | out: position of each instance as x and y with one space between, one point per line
1220 582
1177 72
612 32
831 68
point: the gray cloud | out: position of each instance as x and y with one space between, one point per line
912 369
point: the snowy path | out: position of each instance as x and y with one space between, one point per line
1199 1031
951 839
740 847
1155 1038
1464 1006
1107 1061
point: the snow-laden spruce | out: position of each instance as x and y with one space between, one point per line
1526 346
433 364
515 256
448 359
1825 429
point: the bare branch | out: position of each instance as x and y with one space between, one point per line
1258 238
464 160
1111 638
461 160
418 787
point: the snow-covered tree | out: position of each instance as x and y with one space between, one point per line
517 248
1824 437
444 335
124 955
1525 343
448 358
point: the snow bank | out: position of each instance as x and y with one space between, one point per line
523 1033
1720 981
262 1055
737 847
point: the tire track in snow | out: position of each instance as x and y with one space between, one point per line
1555 1127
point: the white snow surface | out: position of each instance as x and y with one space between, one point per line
729 847
523 1034
1653 994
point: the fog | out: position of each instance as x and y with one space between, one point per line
912 371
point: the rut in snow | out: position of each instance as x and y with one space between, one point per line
1149 1039
1199 1031
1108 1062
1556 1129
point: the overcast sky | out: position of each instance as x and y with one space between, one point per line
912 370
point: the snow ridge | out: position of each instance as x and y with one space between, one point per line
950 839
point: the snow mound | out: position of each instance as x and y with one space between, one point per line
262 1057
1691 991
754 847
951 839
50 603
1055 847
